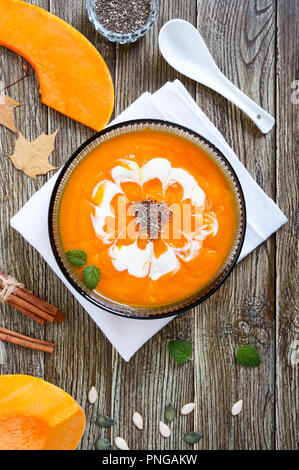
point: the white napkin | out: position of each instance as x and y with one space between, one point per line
172 103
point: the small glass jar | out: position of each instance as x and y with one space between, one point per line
122 38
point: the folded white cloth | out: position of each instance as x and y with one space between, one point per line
172 103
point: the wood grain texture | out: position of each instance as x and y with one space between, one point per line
239 35
287 313
16 256
84 355
253 42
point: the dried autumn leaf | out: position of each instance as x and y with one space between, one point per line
32 157
7 106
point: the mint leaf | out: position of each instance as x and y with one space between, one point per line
77 257
91 276
248 356
180 350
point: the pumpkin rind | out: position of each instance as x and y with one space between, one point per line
73 76
35 414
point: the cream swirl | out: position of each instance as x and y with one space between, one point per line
142 262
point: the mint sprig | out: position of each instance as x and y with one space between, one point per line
91 276
248 356
180 350
91 273
77 257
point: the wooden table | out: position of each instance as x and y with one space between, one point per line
253 42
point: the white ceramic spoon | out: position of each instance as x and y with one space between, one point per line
185 50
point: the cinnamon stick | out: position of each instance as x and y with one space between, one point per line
59 316
15 301
32 306
26 341
39 303
29 314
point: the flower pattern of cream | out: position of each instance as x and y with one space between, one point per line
141 262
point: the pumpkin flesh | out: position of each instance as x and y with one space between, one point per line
22 433
35 414
73 76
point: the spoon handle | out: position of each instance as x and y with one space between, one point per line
258 115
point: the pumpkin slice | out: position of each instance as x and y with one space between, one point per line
73 76
36 415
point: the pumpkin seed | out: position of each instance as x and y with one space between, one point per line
121 443
92 395
138 420
103 444
170 412
192 437
104 421
188 408
164 429
237 407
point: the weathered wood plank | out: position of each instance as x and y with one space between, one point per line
287 331
16 256
152 379
84 353
69 367
241 38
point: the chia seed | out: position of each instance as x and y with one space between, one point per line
151 216
123 16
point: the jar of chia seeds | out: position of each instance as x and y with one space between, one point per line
122 21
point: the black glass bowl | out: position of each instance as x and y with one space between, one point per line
154 312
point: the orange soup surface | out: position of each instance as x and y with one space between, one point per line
154 212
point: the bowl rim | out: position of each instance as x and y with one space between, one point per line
64 271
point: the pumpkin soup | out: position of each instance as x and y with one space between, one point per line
154 212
